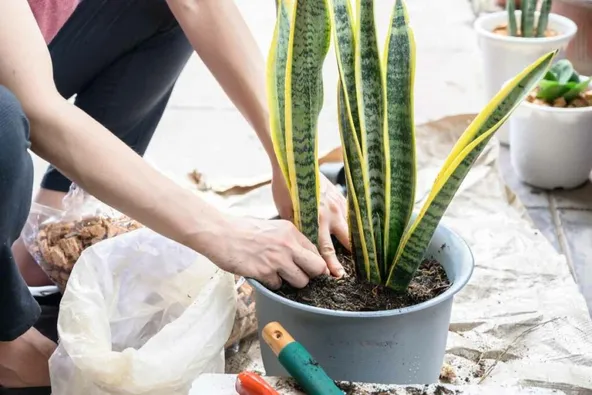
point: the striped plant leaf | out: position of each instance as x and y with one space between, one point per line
343 38
370 108
363 243
511 8
276 74
528 8
399 129
310 37
362 232
543 18
456 167
358 248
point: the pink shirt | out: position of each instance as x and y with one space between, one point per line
51 15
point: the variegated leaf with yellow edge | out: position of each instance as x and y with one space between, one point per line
456 167
310 36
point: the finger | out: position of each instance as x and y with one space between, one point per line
272 282
294 276
311 263
340 229
327 251
305 243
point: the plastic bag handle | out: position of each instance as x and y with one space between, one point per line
240 282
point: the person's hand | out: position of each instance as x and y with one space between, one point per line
268 251
332 217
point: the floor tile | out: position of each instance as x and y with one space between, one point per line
577 199
577 227
529 196
543 220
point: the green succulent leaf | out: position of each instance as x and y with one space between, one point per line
575 77
456 167
551 90
399 133
362 234
370 108
309 41
543 18
550 76
563 70
575 89
276 75
511 9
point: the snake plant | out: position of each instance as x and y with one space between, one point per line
375 94
527 18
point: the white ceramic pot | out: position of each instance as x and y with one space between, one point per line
551 147
506 56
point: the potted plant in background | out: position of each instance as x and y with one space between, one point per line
512 39
387 320
552 131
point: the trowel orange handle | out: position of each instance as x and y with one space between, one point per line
250 383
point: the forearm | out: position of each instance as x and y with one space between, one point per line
85 152
224 42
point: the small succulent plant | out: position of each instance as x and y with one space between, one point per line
527 18
562 86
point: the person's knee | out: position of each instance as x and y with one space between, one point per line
14 133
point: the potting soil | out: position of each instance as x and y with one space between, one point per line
352 294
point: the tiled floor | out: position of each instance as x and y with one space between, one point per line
564 217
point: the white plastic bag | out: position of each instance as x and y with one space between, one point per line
141 315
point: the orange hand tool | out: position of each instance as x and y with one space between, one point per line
250 383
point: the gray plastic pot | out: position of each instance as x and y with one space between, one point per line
403 346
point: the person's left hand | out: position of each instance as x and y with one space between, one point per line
332 217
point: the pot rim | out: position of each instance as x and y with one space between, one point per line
570 29
459 283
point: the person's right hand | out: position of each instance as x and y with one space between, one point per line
268 251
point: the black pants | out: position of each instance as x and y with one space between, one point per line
121 59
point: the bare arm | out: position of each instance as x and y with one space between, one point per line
222 39
100 163
68 138
224 42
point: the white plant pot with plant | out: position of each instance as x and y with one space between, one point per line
551 132
378 324
507 49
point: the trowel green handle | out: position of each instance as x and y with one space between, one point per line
298 362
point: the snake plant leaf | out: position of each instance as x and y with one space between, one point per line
370 109
575 90
309 41
276 73
528 8
399 129
543 18
362 234
344 42
456 167
511 9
